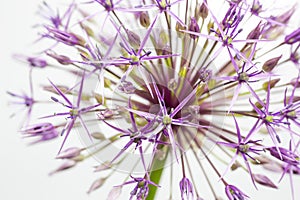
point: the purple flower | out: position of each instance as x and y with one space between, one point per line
186 188
141 188
285 155
75 111
43 131
244 147
293 37
157 82
233 193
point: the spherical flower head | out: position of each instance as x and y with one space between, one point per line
154 83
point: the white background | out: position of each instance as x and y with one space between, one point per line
24 170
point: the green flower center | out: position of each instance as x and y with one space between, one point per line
243 76
74 112
269 118
167 120
292 113
244 148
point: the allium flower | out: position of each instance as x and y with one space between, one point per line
173 96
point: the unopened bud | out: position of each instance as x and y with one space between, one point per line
98 136
179 27
194 27
263 180
273 167
145 19
114 193
210 26
97 184
126 87
105 114
69 153
201 10
295 82
294 100
272 84
255 33
104 166
87 29
293 37
37 62
284 155
66 165
62 88
133 39
64 60
270 64
234 166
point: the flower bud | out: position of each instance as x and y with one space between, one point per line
69 153
201 10
255 33
294 100
38 129
270 64
293 37
64 60
273 167
114 193
98 136
194 27
97 184
105 114
104 166
133 39
87 29
126 87
67 38
66 165
179 27
145 19
285 155
272 83
295 82
37 62
264 180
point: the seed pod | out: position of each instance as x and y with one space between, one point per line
145 19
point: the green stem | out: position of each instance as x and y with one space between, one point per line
158 166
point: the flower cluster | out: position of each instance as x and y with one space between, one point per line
183 89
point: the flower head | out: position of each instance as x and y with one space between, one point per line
170 88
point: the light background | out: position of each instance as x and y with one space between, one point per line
24 170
